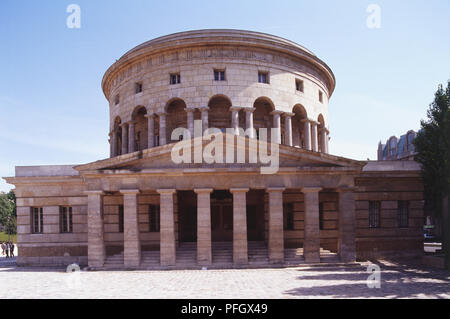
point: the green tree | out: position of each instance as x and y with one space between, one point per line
433 147
8 212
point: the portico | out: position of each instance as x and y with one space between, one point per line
232 209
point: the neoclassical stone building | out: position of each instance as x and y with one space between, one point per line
141 209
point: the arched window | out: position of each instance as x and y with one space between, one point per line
410 139
392 147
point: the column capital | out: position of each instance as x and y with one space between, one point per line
308 120
203 190
203 108
275 189
288 114
311 189
152 115
125 124
129 191
276 112
166 191
249 109
239 190
235 108
161 114
94 192
189 109
324 129
348 189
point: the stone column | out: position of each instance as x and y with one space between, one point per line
235 119
151 130
205 119
276 235
96 243
314 141
131 138
311 242
204 253
288 128
240 244
167 228
323 140
276 125
190 120
162 129
114 144
346 241
249 121
327 142
132 243
307 134
124 138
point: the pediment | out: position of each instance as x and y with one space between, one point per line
162 158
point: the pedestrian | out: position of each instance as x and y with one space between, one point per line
11 249
3 248
7 250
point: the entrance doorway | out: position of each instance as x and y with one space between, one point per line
255 215
221 216
187 216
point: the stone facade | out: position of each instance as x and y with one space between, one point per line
139 209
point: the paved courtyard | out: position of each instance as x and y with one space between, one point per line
397 281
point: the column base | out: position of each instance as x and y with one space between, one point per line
96 264
347 257
132 263
312 258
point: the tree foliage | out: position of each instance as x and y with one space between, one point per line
433 147
8 212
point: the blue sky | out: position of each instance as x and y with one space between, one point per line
53 110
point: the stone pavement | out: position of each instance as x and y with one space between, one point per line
397 281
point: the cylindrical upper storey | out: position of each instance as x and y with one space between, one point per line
242 67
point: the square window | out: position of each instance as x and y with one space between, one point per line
65 220
263 77
320 97
138 88
299 85
37 220
374 214
117 99
175 78
403 207
219 75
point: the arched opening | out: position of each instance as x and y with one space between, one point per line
262 117
176 117
410 136
320 134
219 112
117 148
298 126
392 146
140 128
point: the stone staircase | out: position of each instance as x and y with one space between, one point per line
258 253
222 254
114 262
293 256
222 257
